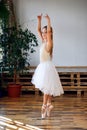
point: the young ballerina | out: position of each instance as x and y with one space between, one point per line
45 77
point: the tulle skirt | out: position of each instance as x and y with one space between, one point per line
47 80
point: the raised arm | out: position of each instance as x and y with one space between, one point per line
49 34
39 17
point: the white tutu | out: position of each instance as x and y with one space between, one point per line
47 80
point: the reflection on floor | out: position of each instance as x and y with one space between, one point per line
9 124
69 113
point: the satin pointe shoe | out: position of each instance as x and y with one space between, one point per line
43 111
49 109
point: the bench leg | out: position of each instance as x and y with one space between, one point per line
79 93
36 91
85 93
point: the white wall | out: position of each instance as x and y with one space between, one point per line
69 21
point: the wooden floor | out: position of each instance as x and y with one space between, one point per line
70 113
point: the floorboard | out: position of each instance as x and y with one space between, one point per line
69 113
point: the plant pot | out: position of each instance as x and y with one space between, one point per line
14 90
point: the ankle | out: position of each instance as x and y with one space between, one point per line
44 106
48 104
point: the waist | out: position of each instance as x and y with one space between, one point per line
45 59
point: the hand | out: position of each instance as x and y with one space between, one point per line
39 17
47 17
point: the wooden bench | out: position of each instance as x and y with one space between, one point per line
71 81
74 81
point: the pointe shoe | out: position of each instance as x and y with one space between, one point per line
43 111
49 109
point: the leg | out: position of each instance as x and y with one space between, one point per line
44 106
49 106
49 99
45 99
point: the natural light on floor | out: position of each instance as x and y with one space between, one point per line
8 124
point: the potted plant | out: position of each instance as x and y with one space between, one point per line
16 44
